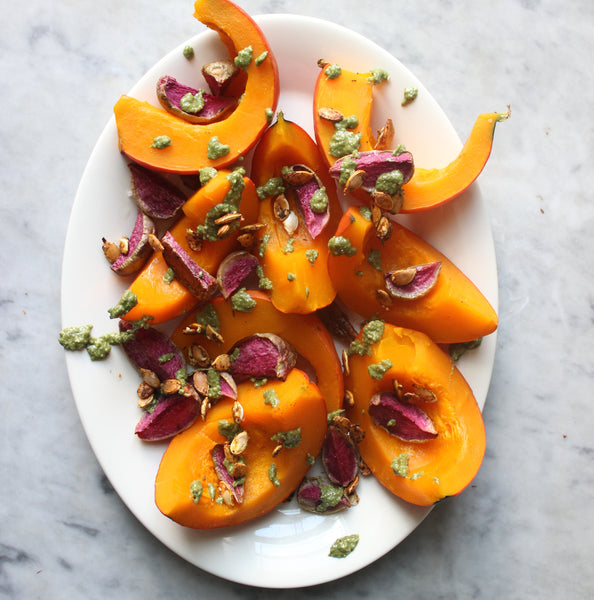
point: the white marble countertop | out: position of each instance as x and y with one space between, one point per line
525 529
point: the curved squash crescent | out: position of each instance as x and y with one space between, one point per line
138 123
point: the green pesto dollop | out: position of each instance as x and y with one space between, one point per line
261 58
188 52
457 350
206 174
99 348
207 315
400 465
263 245
339 245
228 429
169 276
161 141
365 212
333 71
182 375
196 491
390 183
289 439
264 283
215 149
319 201
410 94
331 495
400 149
358 347
192 103
289 246
79 338
271 397
344 546
332 415
214 384
312 255
165 357
373 332
209 230
272 187
127 302
349 122
212 492
237 181
241 301
378 75
273 475
374 258
75 338
233 356
244 58
348 166
378 370
343 141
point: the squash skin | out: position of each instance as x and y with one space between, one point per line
453 311
305 333
440 467
188 458
138 122
166 301
285 144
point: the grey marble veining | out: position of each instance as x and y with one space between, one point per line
525 528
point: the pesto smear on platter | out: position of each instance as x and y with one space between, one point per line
344 546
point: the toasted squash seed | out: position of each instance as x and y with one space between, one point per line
403 276
355 181
281 207
222 362
384 298
239 443
150 378
171 386
111 250
330 114
298 177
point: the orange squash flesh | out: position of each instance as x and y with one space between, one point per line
440 467
305 333
287 144
432 187
166 301
351 94
453 311
138 123
188 457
